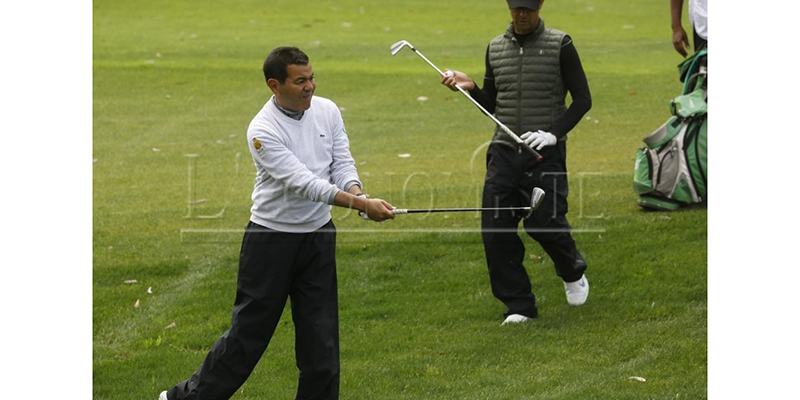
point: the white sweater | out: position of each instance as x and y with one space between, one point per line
300 166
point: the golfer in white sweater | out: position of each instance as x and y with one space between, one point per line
303 163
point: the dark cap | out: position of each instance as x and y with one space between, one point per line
532 4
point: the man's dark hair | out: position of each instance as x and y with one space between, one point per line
279 59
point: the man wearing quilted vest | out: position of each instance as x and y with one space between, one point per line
529 70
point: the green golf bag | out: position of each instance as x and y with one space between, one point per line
671 170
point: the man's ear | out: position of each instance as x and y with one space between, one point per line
273 84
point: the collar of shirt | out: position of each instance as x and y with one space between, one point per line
295 115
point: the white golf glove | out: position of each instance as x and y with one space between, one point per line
539 139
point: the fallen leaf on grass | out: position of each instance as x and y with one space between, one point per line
156 149
665 217
136 305
170 326
94 160
535 257
404 155
130 281
346 24
637 378
150 290
422 98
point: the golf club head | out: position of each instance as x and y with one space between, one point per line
537 197
399 46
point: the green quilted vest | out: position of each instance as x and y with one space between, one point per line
530 89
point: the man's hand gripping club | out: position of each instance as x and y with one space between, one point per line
375 209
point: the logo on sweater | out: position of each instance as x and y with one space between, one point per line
256 144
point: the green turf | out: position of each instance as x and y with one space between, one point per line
418 320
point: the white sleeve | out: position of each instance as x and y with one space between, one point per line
343 167
282 165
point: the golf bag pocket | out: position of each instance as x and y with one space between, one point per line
657 170
666 174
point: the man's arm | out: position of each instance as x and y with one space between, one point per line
282 165
680 40
575 81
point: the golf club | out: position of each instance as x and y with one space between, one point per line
537 196
404 43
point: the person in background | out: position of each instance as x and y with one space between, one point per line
529 70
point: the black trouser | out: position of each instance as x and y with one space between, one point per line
272 266
511 176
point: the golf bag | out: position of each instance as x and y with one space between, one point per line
671 170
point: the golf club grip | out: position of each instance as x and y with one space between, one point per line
520 141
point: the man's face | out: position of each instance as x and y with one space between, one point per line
295 93
525 20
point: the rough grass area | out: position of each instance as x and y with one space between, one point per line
175 86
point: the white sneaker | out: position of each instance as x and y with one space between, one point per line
515 319
577 291
163 396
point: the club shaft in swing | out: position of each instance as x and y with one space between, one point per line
437 210
537 197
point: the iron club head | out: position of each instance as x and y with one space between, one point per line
399 46
537 197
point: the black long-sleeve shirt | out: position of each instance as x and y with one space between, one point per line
574 80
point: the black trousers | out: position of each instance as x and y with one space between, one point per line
511 176
273 266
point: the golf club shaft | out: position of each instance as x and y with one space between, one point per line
502 126
435 210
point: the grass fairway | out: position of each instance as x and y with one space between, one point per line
175 86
